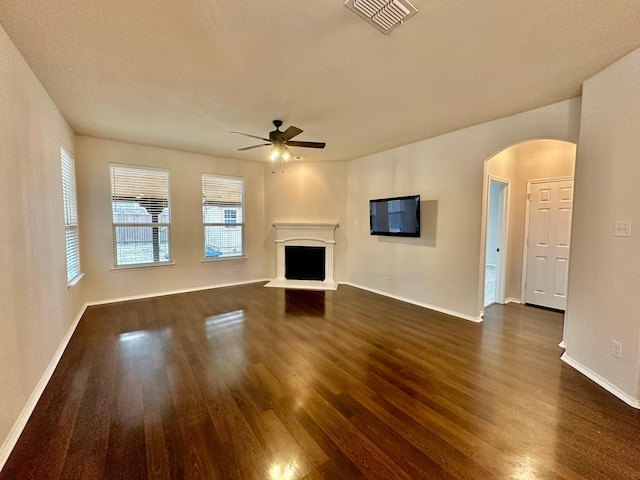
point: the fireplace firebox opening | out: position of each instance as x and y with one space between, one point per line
304 263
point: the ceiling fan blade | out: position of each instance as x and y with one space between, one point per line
306 144
290 132
252 136
254 146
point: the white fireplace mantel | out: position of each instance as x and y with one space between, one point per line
304 234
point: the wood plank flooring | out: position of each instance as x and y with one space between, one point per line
257 383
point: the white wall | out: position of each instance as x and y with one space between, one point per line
36 307
520 163
604 275
188 272
442 268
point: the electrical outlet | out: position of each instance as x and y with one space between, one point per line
616 348
388 276
380 274
355 224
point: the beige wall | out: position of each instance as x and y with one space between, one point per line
442 268
36 307
307 192
604 275
188 272
532 160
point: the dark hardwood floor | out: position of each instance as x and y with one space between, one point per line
258 383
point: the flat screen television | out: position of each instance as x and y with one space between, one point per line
397 216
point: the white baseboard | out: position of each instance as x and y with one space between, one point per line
415 302
174 292
562 345
11 440
628 399
511 300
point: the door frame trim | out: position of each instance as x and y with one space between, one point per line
525 247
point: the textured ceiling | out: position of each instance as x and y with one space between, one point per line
183 74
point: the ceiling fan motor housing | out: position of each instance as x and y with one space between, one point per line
276 134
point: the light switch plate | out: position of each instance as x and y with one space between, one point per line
622 228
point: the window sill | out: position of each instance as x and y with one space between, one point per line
75 281
121 268
223 259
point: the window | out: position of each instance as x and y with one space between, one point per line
141 215
71 238
223 216
230 217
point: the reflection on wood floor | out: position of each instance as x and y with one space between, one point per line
258 383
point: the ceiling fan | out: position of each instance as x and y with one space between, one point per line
281 141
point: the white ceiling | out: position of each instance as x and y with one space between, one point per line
183 74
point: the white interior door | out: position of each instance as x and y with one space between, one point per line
548 243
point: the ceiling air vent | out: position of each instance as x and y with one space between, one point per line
385 15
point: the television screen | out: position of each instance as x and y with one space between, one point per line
398 216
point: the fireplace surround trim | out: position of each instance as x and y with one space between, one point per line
304 234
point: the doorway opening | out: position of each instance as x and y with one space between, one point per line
496 243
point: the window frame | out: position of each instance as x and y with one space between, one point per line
241 226
71 223
135 199
230 214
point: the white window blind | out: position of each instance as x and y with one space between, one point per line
141 215
223 216
72 242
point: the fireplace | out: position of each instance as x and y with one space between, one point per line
304 256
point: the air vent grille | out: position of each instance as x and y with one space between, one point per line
369 7
385 15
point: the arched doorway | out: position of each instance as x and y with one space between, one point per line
518 166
